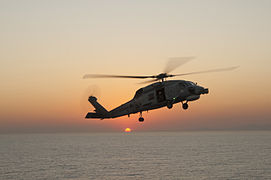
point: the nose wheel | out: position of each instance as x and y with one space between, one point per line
185 106
141 119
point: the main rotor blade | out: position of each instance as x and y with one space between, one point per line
149 81
113 76
175 62
208 71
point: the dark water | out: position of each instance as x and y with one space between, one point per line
178 155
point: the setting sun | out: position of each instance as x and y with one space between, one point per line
127 130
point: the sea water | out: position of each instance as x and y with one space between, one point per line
153 155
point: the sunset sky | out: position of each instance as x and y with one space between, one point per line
47 46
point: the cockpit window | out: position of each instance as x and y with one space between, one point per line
138 93
191 83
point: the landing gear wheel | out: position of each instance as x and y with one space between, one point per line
185 106
169 106
141 119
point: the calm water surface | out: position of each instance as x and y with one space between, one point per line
166 155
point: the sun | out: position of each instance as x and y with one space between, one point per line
127 130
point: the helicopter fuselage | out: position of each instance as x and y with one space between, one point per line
153 96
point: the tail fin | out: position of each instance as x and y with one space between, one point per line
100 111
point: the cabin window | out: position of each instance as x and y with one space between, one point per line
160 94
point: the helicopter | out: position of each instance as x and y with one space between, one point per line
160 93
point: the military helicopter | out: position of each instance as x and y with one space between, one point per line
160 93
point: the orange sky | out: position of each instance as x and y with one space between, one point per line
46 48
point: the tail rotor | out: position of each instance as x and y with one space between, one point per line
91 90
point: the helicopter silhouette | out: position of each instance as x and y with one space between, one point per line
160 93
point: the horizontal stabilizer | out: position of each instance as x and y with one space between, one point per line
94 115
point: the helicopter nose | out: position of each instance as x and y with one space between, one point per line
200 90
205 91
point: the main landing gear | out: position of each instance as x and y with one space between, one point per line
185 105
169 106
141 119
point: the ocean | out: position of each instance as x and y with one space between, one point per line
137 155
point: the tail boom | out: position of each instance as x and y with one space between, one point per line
91 115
